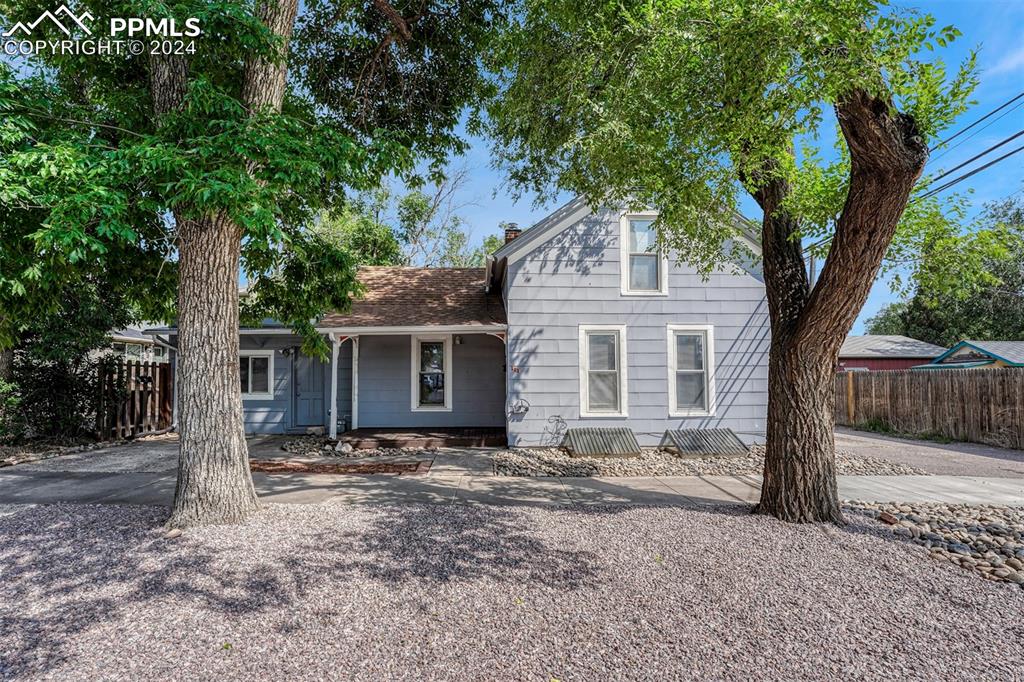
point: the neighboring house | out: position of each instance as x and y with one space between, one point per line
574 322
980 355
885 352
134 345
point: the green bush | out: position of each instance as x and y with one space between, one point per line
12 422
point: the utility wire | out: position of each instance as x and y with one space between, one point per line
964 130
963 177
978 156
979 130
951 183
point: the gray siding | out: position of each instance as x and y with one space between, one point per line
271 416
573 279
478 380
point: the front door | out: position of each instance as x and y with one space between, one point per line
309 391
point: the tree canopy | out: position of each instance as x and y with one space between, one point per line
81 147
969 288
684 105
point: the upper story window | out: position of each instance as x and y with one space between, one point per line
691 362
644 268
431 373
602 371
256 372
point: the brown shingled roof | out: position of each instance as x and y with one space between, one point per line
414 297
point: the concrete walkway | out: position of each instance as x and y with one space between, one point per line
19 486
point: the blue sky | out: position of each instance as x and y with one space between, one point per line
994 27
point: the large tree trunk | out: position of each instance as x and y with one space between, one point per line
214 481
810 324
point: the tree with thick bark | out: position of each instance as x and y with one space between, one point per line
682 105
230 163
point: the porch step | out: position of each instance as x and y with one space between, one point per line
371 438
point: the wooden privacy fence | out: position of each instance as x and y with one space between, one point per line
135 398
978 405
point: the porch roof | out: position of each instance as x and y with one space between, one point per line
421 297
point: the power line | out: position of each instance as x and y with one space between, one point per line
979 130
955 180
978 156
964 130
951 183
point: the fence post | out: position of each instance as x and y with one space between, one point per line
850 411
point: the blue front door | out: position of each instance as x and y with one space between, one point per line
309 391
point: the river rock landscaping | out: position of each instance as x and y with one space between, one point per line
654 462
320 446
986 539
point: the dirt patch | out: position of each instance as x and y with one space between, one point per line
361 469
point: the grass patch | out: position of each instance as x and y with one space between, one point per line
883 427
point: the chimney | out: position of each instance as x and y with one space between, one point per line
511 232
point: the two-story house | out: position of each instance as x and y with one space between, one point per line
577 321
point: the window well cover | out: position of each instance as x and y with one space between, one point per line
705 442
586 442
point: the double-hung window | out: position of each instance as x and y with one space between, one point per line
431 373
643 266
256 372
603 371
691 358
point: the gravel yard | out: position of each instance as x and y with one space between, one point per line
652 462
464 592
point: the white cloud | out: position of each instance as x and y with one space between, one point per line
1011 62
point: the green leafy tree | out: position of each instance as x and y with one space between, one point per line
360 227
984 297
683 104
56 361
218 154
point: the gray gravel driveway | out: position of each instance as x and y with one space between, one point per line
947 459
427 592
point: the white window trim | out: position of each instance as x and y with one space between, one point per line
414 384
585 365
709 369
624 257
269 395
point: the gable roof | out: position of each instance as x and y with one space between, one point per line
1010 352
577 210
888 346
420 297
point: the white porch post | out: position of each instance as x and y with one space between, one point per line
332 429
355 382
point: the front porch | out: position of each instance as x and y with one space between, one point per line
479 437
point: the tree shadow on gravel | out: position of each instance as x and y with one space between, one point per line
456 543
67 570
